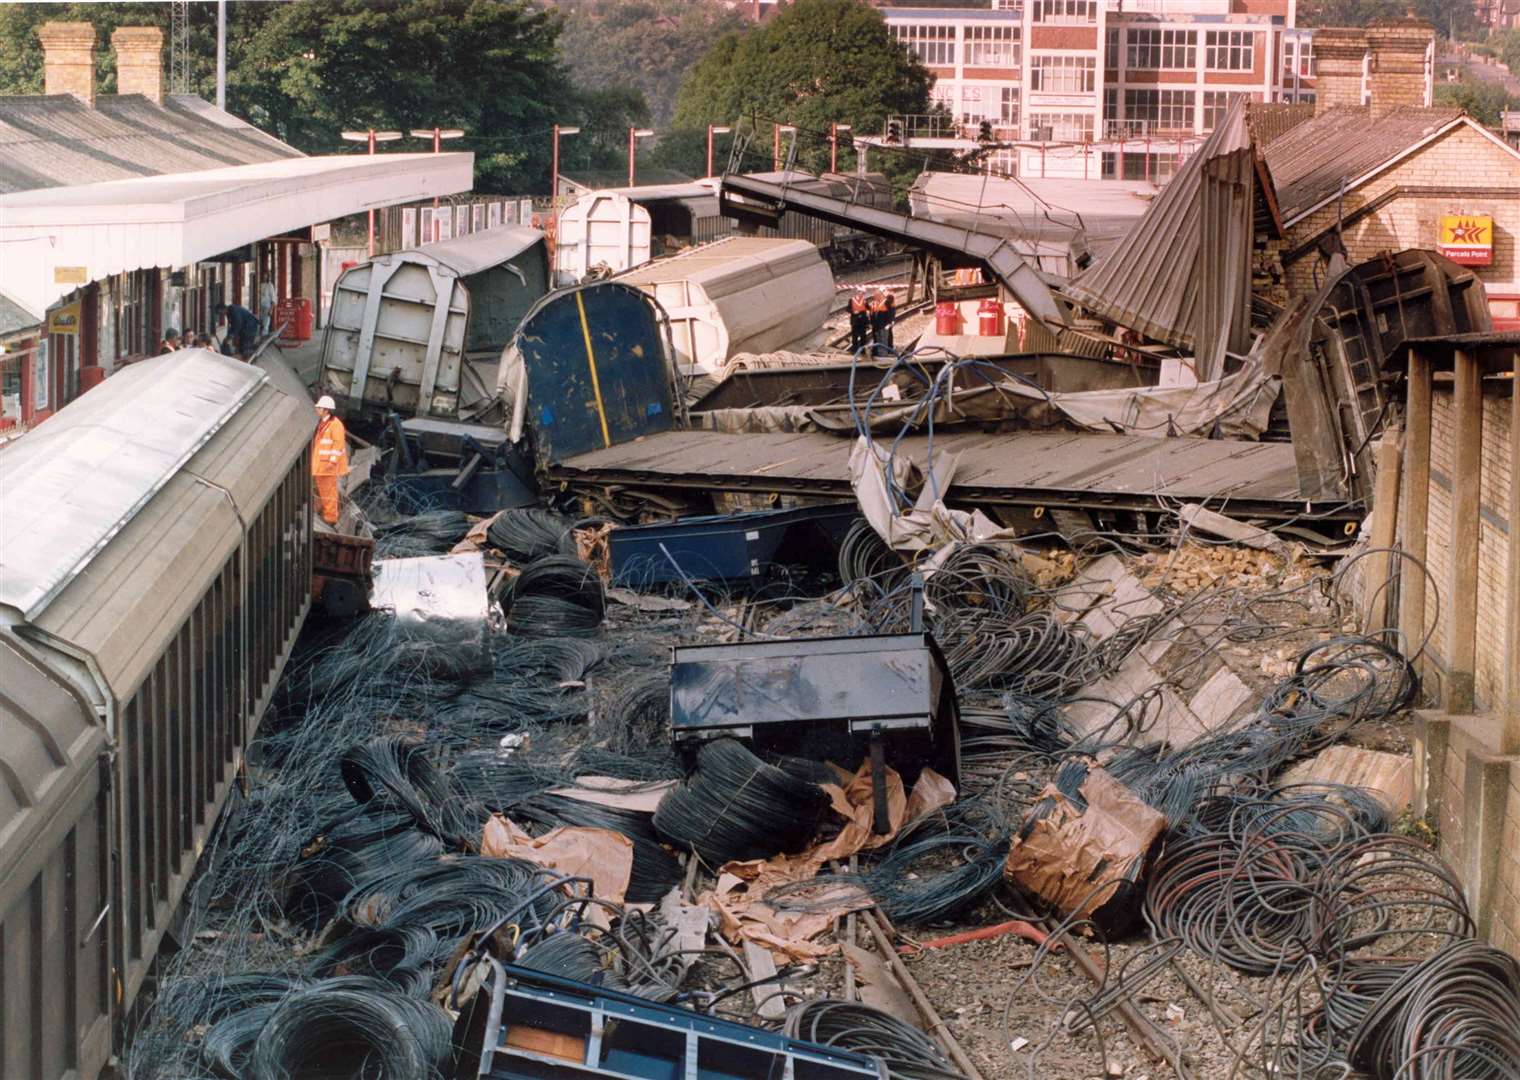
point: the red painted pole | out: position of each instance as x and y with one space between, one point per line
709 149
372 212
833 148
632 151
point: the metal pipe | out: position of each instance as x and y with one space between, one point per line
221 56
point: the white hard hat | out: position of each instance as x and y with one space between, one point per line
326 402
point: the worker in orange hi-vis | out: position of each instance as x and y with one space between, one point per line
329 458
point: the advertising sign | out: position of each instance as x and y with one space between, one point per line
1467 239
71 275
408 226
64 320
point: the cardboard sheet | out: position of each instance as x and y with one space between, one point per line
603 856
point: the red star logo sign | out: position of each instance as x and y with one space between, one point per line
1467 232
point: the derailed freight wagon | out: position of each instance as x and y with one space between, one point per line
155 569
740 294
420 332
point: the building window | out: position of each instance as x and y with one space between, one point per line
1150 111
1229 50
1066 12
1061 127
1154 50
1155 167
992 46
1110 103
1111 48
1216 105
1298 59
1007 5
932 43
971 104
1063 74
1008 111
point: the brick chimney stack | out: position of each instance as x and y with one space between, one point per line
139 61
1339 52
1398 73
68 59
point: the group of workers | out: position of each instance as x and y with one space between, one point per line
871 318
237 334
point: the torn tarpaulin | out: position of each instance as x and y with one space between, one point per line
882 481
1078 858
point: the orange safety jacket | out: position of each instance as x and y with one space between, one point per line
857 304
329 449
878 303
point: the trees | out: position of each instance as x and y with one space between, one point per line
1483 101
306 70
816 62
1448 19
647 45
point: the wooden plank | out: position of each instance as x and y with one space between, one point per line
769 1005
1510 739
1414 524
1466 502
1385 517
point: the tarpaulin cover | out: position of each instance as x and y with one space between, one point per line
1076 859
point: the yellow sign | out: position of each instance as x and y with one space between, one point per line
1467 239
71 275
64 320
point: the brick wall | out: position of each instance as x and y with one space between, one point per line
1493 535
1463 159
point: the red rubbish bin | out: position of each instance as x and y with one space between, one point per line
295 313
989 319
947 318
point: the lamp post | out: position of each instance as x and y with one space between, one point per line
371 136
634 135
711 131
776 148
437 135
554 179
834 130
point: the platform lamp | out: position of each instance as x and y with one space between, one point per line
634 135
437 135
834 130
776 148
713 129
371 136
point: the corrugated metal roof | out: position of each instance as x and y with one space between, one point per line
14 316
1182 274
1271 120
471 254
71 485
1309 162
55 140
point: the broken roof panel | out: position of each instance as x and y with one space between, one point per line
1309 162
55 140
1182 274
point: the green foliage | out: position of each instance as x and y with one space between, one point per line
815 62
1445 15
307 70
1483 101
648 45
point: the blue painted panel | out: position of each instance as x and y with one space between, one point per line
619 392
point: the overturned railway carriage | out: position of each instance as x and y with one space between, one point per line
155 569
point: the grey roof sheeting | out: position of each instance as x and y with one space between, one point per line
15 317
1182 275
471 254
1309 161
55 140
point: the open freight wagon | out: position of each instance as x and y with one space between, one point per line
419 332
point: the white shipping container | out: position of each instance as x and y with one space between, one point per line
600 229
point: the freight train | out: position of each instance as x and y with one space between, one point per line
155 569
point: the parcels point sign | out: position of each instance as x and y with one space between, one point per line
1467 239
